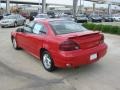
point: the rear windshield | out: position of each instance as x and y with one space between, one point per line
66 27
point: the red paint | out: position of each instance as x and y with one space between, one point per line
83 45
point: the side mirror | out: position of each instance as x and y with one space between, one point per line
20 30
31 18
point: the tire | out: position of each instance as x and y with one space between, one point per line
92 20
47 62
15 46
103 20
2 26
76 20
15 24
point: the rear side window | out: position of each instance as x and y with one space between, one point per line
66 27
38 28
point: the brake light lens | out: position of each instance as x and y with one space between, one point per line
69 46
102 38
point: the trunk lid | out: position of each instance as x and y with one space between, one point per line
85 40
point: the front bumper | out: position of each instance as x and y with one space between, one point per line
6 24
79 57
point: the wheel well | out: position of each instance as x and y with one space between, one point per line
41 52
12 38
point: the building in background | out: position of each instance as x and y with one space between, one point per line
59 6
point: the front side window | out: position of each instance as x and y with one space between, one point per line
28 29
66 27
31 24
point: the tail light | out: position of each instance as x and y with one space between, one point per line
69 46
102 38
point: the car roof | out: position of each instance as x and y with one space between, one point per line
48 20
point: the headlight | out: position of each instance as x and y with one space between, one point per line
73 19
10 21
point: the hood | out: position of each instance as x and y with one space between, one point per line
8 20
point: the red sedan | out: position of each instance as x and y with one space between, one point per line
60 43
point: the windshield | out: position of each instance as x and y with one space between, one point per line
41 16
96 16
66 27
81 15
10 17
107 16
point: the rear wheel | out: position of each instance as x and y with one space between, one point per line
15 46
47 61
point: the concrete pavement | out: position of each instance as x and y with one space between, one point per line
21 71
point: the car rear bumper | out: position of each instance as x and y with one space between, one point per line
82 21
79 57
108 20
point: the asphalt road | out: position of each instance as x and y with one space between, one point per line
21 71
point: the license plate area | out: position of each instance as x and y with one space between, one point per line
93 56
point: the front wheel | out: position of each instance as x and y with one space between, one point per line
15 24
2 26
47 62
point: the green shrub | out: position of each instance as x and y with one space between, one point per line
98 27
114 29
89 25
104 28
118 31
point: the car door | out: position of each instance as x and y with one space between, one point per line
18 19
36 39
22 19
22 37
